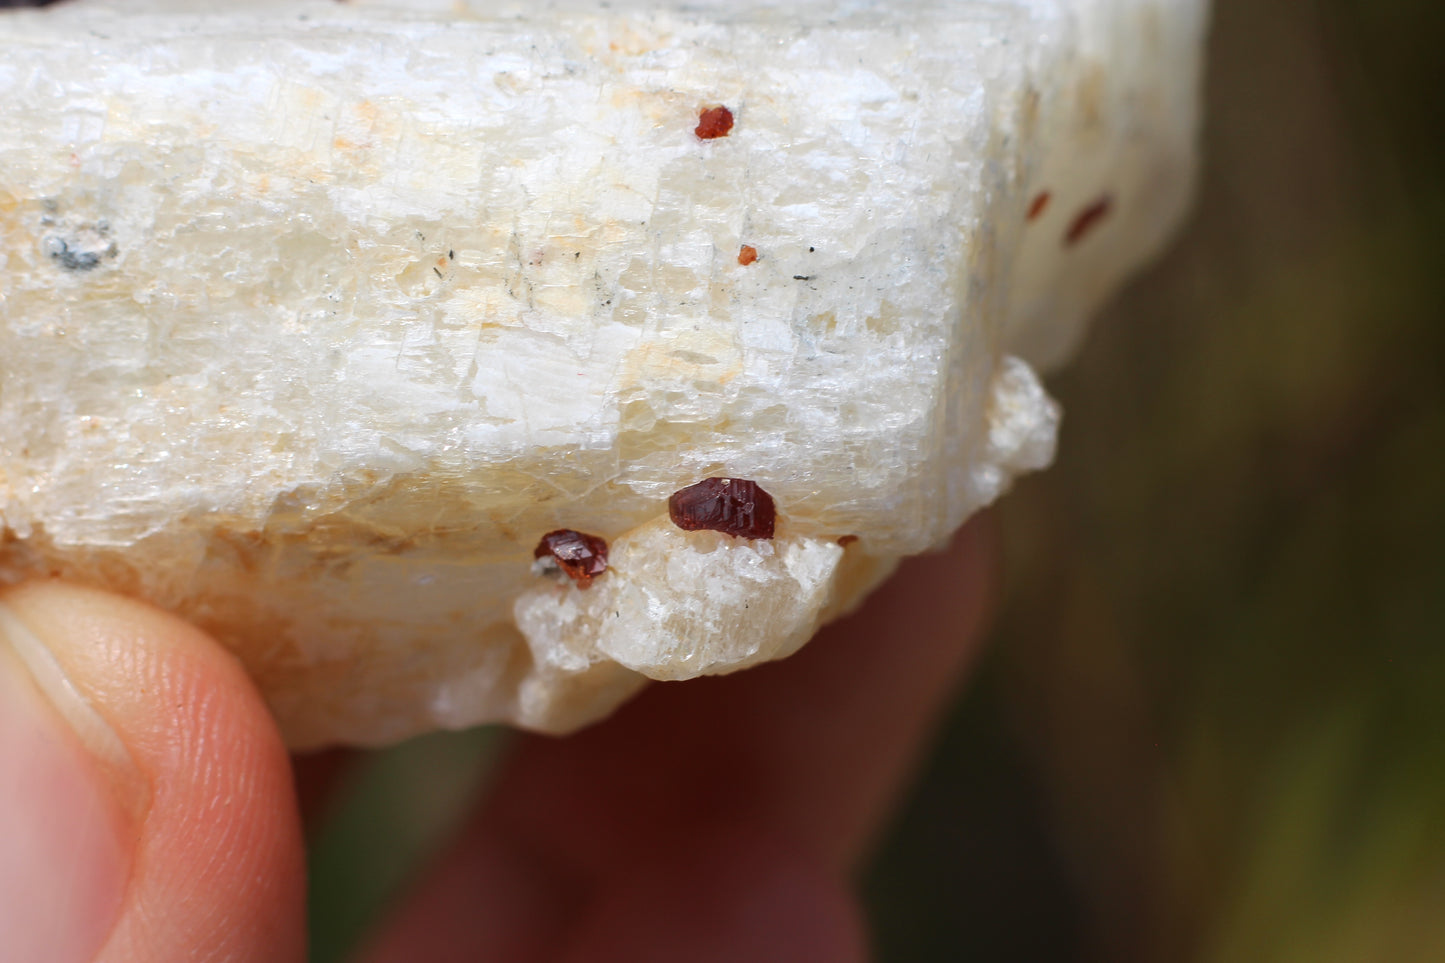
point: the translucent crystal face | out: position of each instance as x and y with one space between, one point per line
318 340
733 506
581 557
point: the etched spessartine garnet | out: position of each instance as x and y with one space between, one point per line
582 557
734 506
714 122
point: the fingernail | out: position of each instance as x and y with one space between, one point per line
68 792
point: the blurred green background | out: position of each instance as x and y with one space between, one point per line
1211 725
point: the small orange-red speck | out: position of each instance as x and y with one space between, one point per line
714 122
1088 219
747 255
1039 205
847 540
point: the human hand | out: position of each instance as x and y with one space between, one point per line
148 810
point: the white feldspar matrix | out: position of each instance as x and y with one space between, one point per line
377 338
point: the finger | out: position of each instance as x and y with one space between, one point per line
147 813
795 764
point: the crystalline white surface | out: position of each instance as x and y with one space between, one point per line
314 317
676 605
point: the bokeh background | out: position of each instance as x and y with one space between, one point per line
1211 724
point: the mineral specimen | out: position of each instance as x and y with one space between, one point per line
714 122
314 315
733 506
582 557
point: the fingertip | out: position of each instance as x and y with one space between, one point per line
188 752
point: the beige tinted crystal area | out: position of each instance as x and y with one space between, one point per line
315 318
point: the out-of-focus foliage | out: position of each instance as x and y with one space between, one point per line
1213 724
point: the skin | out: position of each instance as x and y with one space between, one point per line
149 811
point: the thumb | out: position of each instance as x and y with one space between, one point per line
146 807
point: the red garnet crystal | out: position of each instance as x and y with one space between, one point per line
713 123
1039 205
734 506
583 557
1088 219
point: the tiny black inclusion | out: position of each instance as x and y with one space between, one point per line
74 260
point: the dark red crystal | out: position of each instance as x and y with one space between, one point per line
713 123
1089 218
734 506
582 557
1039 205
